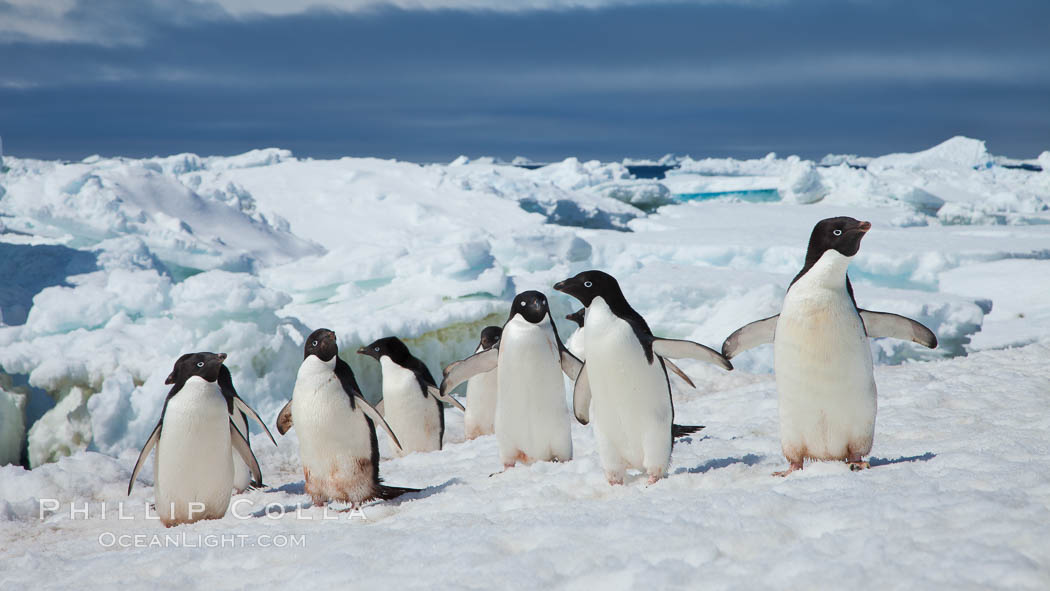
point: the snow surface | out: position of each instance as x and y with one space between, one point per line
113 267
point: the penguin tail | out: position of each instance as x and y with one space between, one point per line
255 484
392 492
679 431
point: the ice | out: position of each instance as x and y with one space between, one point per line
62 431
113 267
12 426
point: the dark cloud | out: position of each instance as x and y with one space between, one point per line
804 77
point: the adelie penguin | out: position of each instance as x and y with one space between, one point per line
822 360
575 344
195 437
480 416
623 386
336 427
532 420
412 403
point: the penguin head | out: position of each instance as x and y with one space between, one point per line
577 316
842 234
588 285
203 365
490 336
392 347
531 305
321 343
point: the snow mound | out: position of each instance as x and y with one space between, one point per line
957 153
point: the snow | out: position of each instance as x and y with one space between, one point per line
113 267
957 498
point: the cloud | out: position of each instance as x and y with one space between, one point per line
242 8
116 23
107 23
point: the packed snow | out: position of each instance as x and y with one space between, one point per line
113 267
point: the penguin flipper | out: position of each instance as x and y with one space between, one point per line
885 324
678 431
570 364
581 397
284 418
433 391
392 492
461 371
152 441
678 371
381 407
759 332
240 444
243 407
677 349
371 412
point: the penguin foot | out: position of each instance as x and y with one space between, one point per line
794 466
857 465
653 479
506 467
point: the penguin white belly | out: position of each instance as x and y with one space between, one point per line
415 419
577 343
335 444
242 476
630 398
193 469
825 384
532 418
481 404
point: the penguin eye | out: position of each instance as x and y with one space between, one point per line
522 303
837 232
587 284
377 349
200 364
314 344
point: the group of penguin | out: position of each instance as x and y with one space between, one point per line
822 363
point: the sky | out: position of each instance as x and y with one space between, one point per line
428 80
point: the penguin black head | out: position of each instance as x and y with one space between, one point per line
842 234
321 343
490 336
392 347
532 305
588 285
203 365
577 316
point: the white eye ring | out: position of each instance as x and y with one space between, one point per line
314 343
523 304
376 349
837 232
200 364
587 284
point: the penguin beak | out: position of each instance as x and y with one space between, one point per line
864 226
365 351
222 357
570 287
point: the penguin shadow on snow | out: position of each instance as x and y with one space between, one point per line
876 462
299 488
747 460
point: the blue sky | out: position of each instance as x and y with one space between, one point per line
428 80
